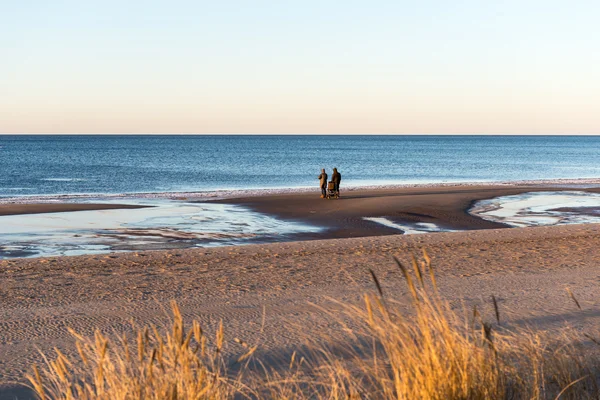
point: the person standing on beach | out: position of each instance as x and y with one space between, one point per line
323 182
336 178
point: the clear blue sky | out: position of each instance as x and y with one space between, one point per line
526 66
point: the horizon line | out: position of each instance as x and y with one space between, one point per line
283 134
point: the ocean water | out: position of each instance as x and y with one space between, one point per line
59 165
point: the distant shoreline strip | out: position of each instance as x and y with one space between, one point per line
220 194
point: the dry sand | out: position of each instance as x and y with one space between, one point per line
527 269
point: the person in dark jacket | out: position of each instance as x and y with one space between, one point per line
323 181
336 178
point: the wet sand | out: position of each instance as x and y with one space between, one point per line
527 269
447 207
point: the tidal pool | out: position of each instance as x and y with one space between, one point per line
163 225
541 208
408 228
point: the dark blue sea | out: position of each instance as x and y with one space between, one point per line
109 164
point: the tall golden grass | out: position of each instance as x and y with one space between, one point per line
432 352
174 365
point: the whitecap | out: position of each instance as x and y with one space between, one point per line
64 179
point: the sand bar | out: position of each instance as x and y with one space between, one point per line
444 206
43 208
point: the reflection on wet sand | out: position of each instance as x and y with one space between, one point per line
521 210
541 208
409 228
164 225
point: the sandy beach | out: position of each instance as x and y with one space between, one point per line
300 200
527 269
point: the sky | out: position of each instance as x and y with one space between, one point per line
241 66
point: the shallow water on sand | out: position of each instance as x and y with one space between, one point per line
171 224
408 228
163 225
541 208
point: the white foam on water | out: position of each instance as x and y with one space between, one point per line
540 208
408 228
63 179
165 224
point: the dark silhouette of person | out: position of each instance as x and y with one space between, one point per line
323 181
336 178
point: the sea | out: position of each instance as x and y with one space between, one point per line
175 177
119 164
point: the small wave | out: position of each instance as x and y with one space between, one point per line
63 179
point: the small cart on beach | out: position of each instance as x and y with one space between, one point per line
332 193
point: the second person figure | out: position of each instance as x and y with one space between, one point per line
323 181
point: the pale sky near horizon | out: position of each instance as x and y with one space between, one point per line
235 66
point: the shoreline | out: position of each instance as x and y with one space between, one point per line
360 212
228 194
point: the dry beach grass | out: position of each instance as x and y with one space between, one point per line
431 352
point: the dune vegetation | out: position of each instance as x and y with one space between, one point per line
432 352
